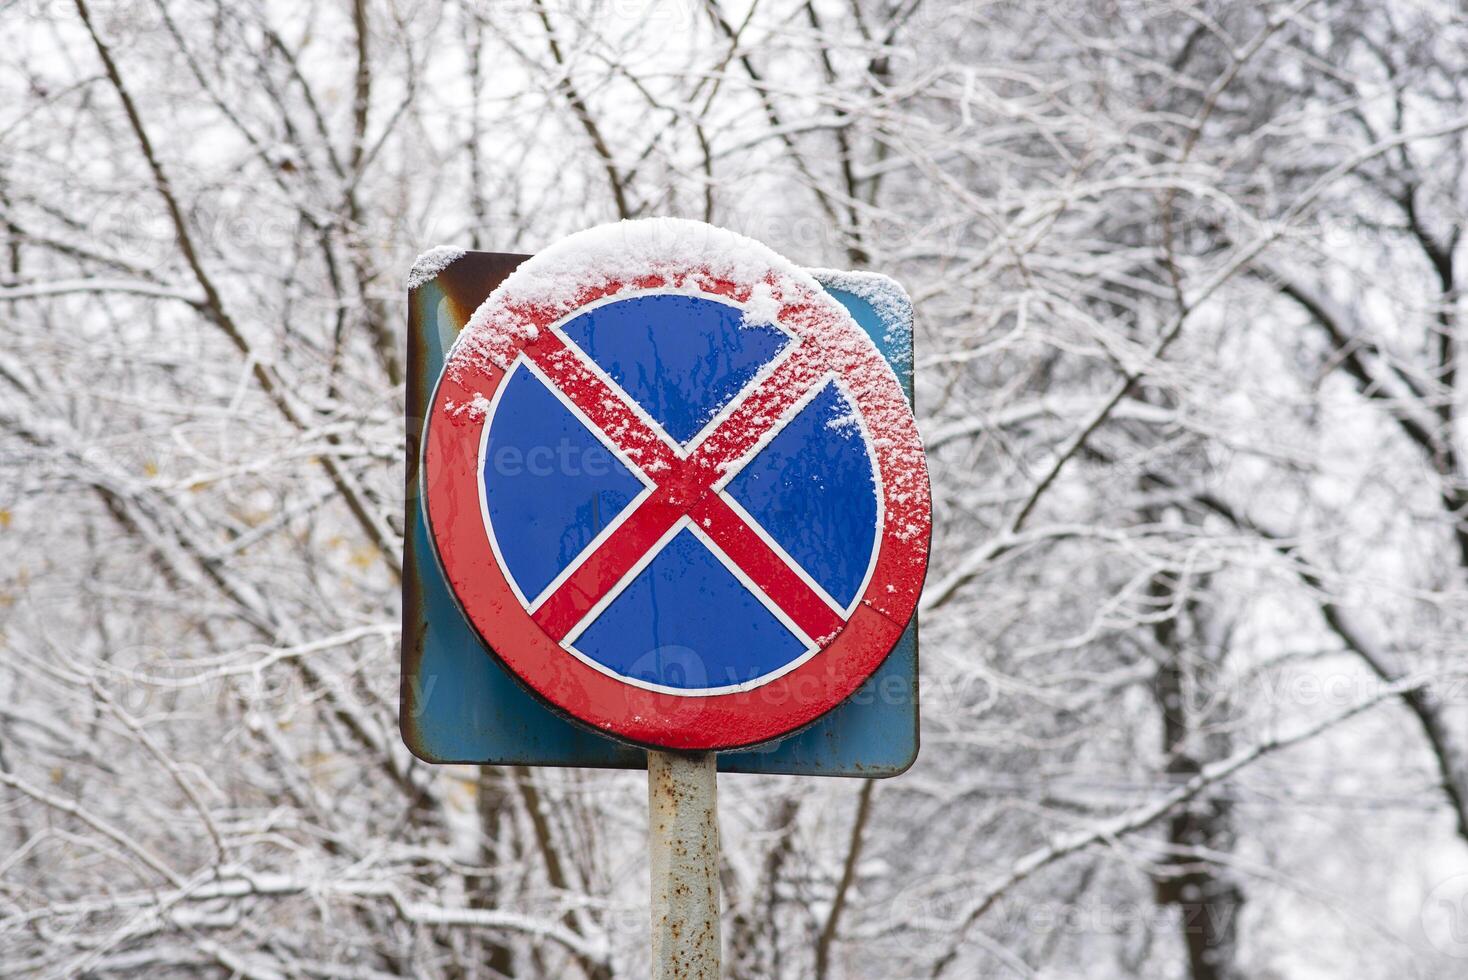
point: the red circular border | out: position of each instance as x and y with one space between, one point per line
476 367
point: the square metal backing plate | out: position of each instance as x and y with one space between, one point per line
459 705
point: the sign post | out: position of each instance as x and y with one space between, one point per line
678 492
683 852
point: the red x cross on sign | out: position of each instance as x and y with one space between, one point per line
686 484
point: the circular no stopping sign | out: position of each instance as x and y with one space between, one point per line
675 488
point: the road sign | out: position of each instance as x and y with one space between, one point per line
676 488
460 705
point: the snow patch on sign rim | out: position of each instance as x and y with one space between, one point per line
427 266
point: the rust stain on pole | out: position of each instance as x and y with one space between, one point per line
683 849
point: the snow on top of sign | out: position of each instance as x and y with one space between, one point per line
431 263
625 250
617 253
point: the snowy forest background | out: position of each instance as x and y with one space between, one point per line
1189 291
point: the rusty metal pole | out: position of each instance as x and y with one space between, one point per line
683 849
